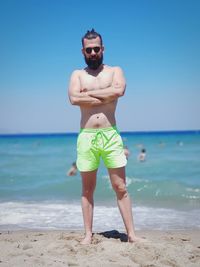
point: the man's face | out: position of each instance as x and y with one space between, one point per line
93 53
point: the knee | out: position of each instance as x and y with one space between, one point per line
120 190
87 192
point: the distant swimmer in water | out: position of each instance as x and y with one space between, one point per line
142 155
73 170
161 144
179 143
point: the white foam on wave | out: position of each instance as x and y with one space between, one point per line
48 215
129 180
196 190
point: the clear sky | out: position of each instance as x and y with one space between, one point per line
156 42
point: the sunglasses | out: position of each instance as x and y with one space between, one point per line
96 49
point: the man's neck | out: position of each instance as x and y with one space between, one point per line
95 72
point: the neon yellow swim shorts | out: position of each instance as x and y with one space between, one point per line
105 143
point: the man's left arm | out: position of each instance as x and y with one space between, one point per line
116 90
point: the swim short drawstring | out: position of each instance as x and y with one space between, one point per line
98 135
105 141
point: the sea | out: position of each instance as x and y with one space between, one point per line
36 193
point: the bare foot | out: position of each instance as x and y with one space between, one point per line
135 239
87 240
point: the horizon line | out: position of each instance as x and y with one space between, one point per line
197 131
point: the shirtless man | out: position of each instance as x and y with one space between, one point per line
96 90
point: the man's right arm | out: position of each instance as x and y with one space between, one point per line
80 97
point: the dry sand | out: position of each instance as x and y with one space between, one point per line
62 248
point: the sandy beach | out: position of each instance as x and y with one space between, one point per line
63 248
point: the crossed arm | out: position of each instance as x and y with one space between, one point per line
81 96
116 90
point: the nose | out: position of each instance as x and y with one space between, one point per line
93 53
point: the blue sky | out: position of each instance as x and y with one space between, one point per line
156 42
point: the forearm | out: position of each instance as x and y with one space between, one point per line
84 99
108 94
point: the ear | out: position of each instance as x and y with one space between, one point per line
102 48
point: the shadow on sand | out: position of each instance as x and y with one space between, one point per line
115 234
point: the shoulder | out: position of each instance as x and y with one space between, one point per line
113 68
118 69
76 72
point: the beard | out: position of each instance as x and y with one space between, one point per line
94 63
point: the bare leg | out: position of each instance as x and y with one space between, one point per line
118 180
88 187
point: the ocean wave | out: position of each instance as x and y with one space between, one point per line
168 192
64 215
196 190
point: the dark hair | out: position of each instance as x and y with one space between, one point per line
91 35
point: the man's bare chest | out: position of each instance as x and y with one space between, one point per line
100 81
